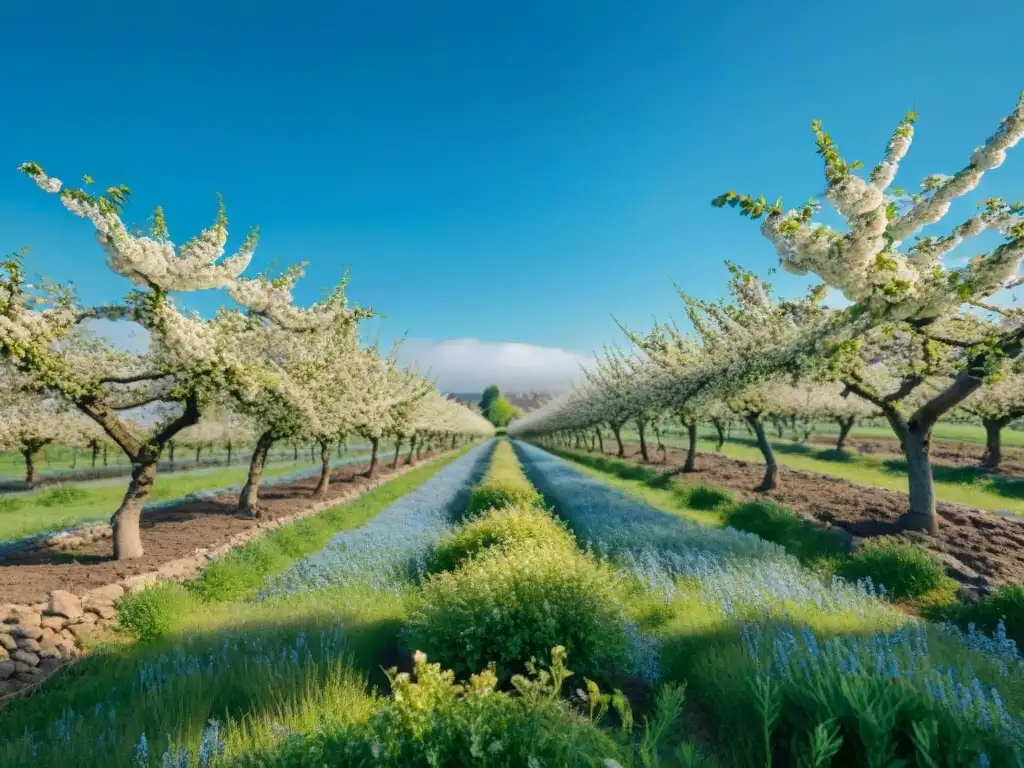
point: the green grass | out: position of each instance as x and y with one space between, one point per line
33 512
962 485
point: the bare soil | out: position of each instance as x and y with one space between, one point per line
167 534
981 549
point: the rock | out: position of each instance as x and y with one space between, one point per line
81 630
842 536
21 668
54 622
7 642
107 594
4 655
49 651
6 669
22 614
33 631
969 593
28 644
25 657
103 611
65 604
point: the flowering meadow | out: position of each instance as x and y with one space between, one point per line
764 641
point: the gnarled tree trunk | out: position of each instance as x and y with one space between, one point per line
325 470
230 448
691 448
125 521
641 425
411 458
721 434
398 447
250 495
170 453
617 431
374 447
600 440
993 443
845 425
95 446
30 466
771 468
199 452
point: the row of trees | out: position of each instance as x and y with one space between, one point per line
286 372
921 341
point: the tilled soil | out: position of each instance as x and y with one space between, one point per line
167 534
943 452
980 548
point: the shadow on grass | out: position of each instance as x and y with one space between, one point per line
1007 487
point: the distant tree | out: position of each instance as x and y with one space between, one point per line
501 412
489 395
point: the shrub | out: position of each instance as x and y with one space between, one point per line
1006 603
59 497
498 527
905 569
775 523
154 613
513 603
705 497
504 485
432 721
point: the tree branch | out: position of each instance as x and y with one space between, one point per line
151 376
908 385
187 418
963 385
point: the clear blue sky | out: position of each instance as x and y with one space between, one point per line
510 171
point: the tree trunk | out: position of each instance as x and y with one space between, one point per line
30 465
104 455
993 443
771 468
74 458
250 495
419 448
398 447
374 445
641 425
845 425
338 450
411 458
921 516
295 451
325 470
125 521
199 452
661 445
170 451
600 441
95 453
691 450
230 448
779 428
617 431
721 435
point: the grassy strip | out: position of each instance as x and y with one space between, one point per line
789 675
960 485
239 574
912 576
264 669
54 509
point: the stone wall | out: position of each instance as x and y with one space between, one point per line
37 639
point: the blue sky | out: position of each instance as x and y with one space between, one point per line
497 172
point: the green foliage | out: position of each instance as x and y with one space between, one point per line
512 603
775 523
1006 603
495 528
496 408
62 496
905 569
705 497
488 396
431 721
156 612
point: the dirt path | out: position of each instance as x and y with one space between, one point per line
982 549
167 534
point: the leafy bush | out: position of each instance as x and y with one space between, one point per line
1006 603
154 613
775 523
513 603
498 527
905 569
62 496
431 721
705 496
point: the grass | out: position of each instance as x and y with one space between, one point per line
963 485
54 509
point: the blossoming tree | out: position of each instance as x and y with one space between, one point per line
30 421
908 285
189 360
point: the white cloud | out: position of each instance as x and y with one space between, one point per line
469 365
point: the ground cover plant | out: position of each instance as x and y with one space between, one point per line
790 664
